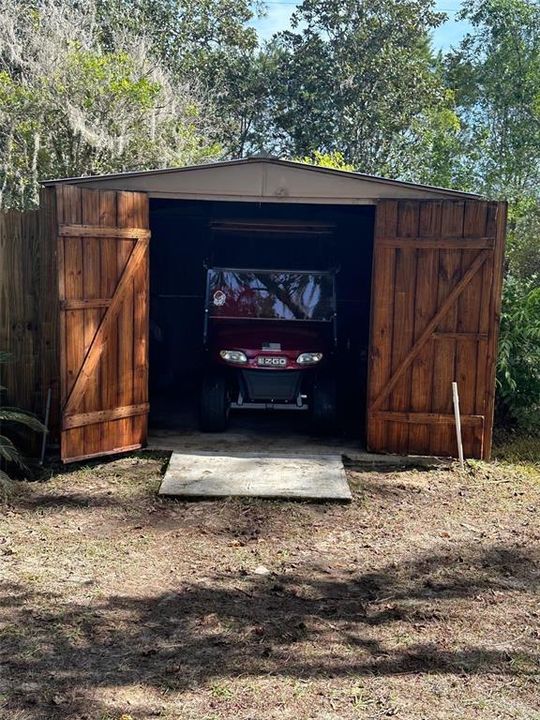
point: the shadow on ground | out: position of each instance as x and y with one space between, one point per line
55 653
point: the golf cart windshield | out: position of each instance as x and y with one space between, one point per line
270 294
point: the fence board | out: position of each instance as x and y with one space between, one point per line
447 290
106 337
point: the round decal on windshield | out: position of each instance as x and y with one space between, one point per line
219 298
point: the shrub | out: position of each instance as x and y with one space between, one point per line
518 376
9 453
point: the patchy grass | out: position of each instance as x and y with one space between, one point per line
517 448
417 600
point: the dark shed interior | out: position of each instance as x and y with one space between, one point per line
186 235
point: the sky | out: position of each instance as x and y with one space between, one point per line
445 37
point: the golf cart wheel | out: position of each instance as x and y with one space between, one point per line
324 405
214 409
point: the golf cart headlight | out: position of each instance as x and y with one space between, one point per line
234 356
309 358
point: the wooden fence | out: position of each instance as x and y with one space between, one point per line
28 309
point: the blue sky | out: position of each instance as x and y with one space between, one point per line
448 35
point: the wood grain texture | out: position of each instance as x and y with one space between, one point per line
441 243
93 230
471 336
19 301
125 219
404 317
92 316
382 320
425 307
108 282
435 269
85 303
141 320
442 441
72 442
104 453
427 333
89 363
468 323
421 418
97 417
105 241
48 314
50 302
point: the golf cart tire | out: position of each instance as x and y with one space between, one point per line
324 406
214 407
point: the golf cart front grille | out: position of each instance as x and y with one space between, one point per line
282 386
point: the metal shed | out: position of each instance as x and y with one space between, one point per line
422 269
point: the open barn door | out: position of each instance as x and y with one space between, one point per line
436 292
103 291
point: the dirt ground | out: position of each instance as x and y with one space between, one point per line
417 600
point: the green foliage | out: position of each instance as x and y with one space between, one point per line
334 160
9 453
518 375
523 241
188 35
207 40
496 73
106 77
433 147
352 77
111 85
520 448
73 104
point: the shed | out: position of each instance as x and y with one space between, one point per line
102 296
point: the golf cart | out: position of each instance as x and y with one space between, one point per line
270 338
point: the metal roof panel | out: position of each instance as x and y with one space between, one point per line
264 179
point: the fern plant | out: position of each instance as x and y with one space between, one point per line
9 453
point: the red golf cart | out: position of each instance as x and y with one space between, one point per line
270 337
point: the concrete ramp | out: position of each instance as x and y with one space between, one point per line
310 477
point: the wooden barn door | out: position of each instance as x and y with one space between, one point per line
103 291
436 291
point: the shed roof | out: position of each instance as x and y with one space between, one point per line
260 179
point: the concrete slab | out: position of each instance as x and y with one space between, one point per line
315 477
243 440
